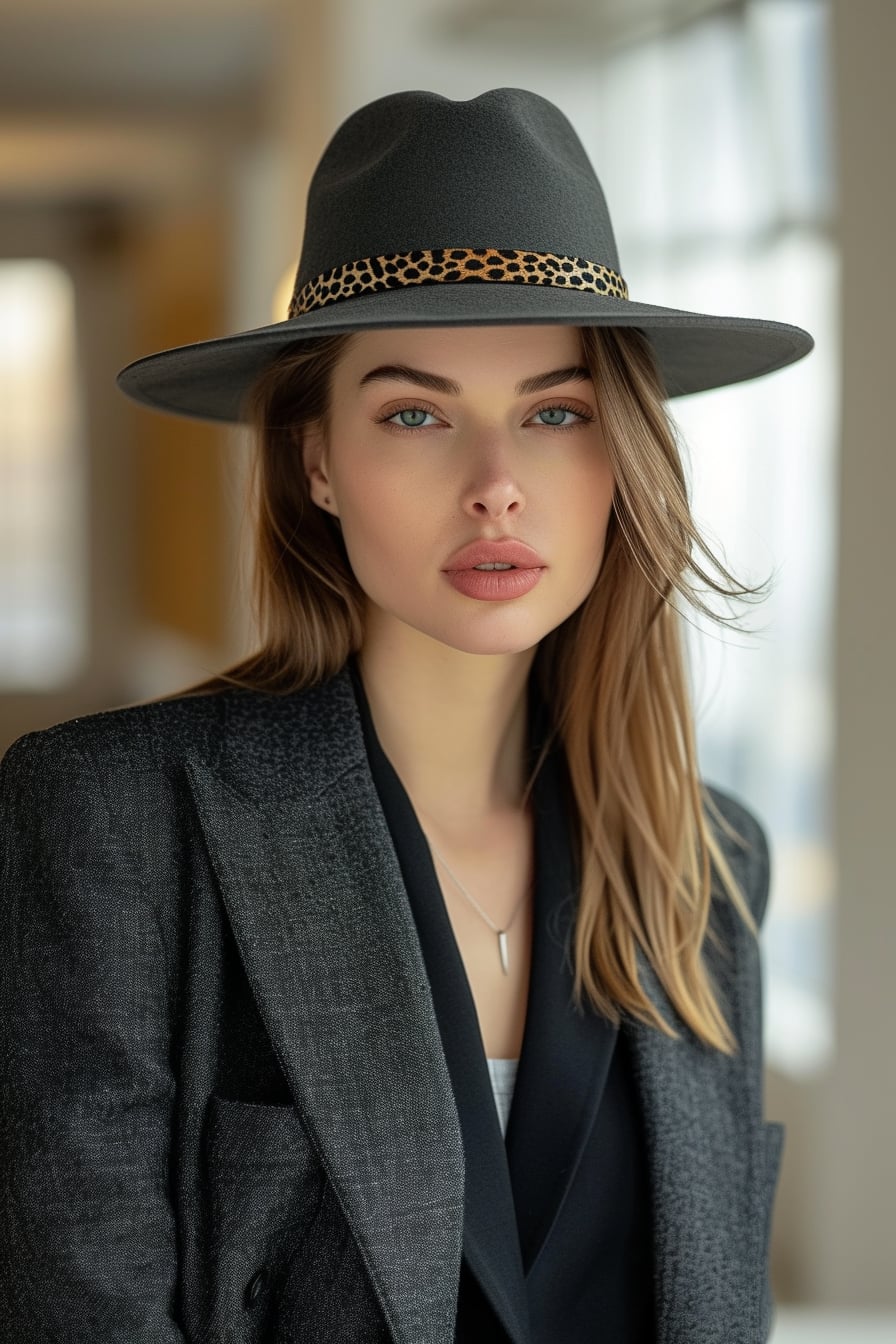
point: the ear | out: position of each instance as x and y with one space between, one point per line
314 462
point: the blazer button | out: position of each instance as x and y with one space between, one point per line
254 1287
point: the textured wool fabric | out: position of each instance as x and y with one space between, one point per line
225 1109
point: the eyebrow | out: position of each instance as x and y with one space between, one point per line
448 387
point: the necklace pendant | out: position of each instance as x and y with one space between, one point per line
502 948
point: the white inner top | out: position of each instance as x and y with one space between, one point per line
503 1075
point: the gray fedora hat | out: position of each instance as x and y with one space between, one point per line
426 211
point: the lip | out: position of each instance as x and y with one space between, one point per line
507 552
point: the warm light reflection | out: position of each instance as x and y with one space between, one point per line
283 294
42 507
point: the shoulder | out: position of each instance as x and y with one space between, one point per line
134 737
247 735
101 782
745 844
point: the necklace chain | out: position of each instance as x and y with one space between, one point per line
502 933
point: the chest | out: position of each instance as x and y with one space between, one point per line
496 870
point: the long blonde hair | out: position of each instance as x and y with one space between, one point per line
613 672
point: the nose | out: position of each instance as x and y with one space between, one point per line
494 488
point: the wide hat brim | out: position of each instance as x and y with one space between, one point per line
210 380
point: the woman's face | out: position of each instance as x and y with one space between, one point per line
441 437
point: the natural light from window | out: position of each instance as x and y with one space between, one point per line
716 157
43 633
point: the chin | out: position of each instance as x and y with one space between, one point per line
476 637
487 629
491 649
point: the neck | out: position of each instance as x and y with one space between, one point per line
453 724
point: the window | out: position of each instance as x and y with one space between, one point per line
712 147
43 569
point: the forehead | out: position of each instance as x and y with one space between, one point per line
481 351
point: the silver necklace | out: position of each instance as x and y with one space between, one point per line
502 933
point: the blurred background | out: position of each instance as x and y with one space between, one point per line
154 160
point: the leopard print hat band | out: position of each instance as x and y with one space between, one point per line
451 265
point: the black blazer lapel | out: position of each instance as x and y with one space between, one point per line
513 1192
566 1056
709 1154
490 1241
316 901
711 1158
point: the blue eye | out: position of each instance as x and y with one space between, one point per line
556 414
417 414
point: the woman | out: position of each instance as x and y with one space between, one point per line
283 946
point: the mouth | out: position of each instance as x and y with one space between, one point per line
491 556
491 582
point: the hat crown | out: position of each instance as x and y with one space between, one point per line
416 170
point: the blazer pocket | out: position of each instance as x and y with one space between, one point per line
263 1186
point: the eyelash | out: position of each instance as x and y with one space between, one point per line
387 420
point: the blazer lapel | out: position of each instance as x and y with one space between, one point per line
490 1242
566 1056
315 898
706 1150
513 1192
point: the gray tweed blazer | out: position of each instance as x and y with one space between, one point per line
182 1164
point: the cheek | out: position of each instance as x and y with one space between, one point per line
589 505
380 527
